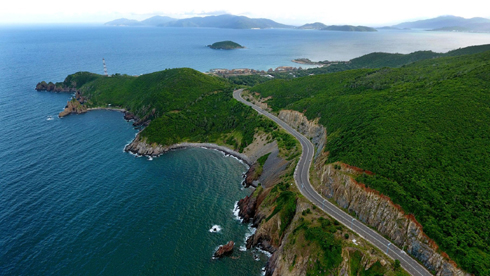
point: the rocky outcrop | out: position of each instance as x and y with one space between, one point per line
378 211
139 146
311 129
51 87
247 207
128 116
73 107
251 175
224 250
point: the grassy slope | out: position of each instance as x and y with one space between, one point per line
423 130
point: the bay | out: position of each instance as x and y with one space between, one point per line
72 202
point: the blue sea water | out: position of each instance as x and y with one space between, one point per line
72 202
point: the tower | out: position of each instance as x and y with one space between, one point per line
105 68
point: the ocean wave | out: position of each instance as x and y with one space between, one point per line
236 212
215 229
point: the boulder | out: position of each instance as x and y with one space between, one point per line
223 250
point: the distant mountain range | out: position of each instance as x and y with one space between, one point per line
152 21
226 21
448 23
229 21
343 28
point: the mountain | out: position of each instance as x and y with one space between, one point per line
343 28
152 21
349 28
449 23
226 21
157 20
313 26
124 22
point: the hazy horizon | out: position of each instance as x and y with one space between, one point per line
374 13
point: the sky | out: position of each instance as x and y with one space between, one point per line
354 12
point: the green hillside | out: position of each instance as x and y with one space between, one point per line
423 130
379 60
182 104
225 45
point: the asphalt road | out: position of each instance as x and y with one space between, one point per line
302 178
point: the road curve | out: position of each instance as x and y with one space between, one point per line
302 178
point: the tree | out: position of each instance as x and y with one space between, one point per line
397 265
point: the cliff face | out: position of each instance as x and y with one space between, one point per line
311 129
370 206
378 211
292 253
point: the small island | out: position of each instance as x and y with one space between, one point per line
225 45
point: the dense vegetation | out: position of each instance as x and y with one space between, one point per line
423 130
379 60
225 45
285 205
182 104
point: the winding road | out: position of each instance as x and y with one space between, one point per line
302 178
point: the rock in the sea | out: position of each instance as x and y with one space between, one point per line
223 250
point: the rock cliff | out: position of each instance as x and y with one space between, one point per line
378 211
370 206
292 253
311 129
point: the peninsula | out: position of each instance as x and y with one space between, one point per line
225 45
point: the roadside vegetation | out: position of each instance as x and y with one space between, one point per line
422 129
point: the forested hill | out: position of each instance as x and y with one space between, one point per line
378 60
423 130
180 105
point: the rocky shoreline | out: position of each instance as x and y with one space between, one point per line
140 147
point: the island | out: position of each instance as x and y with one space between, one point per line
343 28
225 45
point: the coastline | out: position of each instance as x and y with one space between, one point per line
141 148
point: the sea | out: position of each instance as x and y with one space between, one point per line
72 202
